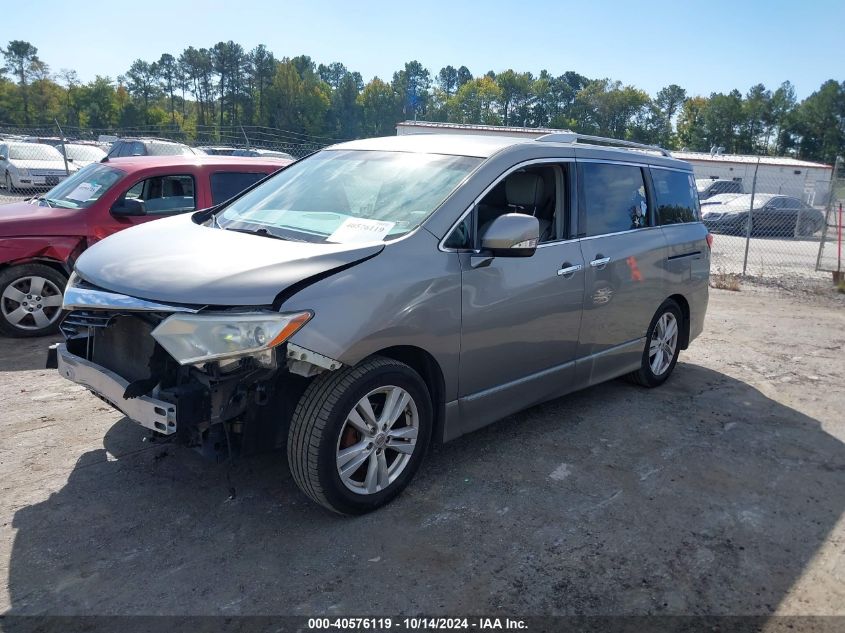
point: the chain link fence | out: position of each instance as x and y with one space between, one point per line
34 159
771 224
831 255
769 219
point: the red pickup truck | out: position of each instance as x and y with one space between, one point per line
41 238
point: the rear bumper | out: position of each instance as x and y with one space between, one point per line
151 413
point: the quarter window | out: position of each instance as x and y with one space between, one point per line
614 198
675 193
225 185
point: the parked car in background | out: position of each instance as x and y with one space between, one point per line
772 215
82 154
218 150
124 147
31 166
266 153
40 239
385 292
708 187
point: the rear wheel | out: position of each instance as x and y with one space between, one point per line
30 300
358 435
662 346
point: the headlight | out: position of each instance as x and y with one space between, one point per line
23 171
196 338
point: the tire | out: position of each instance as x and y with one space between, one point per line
647 375
8 183
20 288
807 228
320 430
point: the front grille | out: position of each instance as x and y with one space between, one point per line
78 322
119 341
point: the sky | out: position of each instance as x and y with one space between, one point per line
704 46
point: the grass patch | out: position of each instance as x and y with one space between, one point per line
725 281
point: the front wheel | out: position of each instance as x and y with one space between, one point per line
30 300
662 346
358 435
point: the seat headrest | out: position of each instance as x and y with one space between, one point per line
524 190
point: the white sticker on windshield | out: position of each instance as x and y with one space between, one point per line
83 192
360 230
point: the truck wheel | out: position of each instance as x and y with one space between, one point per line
661 348
359 434
30 300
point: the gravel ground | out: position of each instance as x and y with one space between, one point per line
722 492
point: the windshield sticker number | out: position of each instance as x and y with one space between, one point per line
360 230
83 192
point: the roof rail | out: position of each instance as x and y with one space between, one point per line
574 137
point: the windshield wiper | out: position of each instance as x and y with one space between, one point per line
45 200
264 233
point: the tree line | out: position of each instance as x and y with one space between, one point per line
226 85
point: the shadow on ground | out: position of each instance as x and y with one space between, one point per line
703 496
25 354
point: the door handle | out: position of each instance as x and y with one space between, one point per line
568 271
600 263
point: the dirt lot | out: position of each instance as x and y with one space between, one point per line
722 493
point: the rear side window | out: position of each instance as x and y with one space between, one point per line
676 197
228 184
614 198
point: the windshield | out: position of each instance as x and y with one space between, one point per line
84 188
33 151
84 152
349 196
169 149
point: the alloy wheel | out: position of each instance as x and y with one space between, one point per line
664 344
377 440
31 303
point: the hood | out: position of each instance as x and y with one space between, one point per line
175 260
46 165
30 218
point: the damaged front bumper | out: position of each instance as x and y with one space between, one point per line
151 413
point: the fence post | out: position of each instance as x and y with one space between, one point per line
64 149
748 224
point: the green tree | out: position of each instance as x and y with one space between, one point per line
22 61
142 84
515 90
692 133
412 84
380 110
723 120
167 72
820 123
475 102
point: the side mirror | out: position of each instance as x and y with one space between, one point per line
2 157
511 235
127 207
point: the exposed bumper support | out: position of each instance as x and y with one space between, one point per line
151 413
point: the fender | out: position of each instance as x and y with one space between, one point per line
21 250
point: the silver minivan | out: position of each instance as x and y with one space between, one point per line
386 293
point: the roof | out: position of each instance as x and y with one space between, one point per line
145 162
497 129
449 144
485 145
780 161
534 132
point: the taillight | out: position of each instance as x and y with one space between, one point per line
709 239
